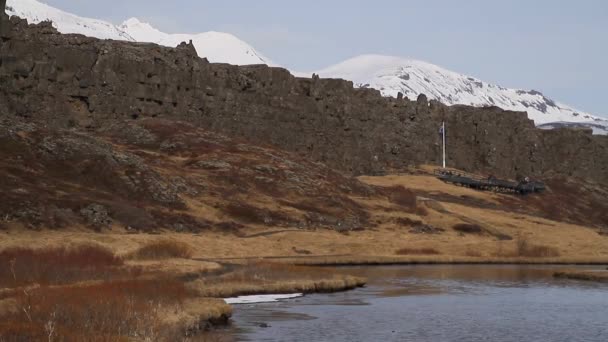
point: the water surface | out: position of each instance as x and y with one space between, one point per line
438 303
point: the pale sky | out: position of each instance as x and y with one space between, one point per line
557 47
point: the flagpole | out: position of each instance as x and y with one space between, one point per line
443 131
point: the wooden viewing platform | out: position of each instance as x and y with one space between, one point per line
489 183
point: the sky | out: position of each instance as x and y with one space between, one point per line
558 47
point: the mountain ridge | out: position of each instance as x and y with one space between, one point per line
390 75
393 75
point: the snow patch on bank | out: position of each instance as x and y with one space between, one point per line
261 298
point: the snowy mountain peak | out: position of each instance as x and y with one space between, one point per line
36 12
141 31
392 75
217 47
133 22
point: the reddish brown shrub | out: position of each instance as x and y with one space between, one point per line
59 265
163 249
113 311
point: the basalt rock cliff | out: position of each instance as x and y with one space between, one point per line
72 81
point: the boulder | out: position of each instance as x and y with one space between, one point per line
96 216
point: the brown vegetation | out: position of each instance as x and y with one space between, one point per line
525 249
473 254
109 311
417 251
270 278
528 250
140 175
467 228
401 196
59 265
566 200
86 293
125 306
406 221
163 249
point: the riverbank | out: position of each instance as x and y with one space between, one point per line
437 260
157 292
180 293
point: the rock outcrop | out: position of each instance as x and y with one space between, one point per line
4 27
75 81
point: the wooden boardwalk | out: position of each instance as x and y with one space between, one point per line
488 184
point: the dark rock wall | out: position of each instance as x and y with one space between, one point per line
3 18
75 81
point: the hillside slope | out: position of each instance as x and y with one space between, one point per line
155 174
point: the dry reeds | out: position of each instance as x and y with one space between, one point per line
109 311
525 249
528 250
57 265
83 293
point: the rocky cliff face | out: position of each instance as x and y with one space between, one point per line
74 81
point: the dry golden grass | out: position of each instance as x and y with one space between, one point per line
106 311
473 254
525 249
381 238
64 298
271 278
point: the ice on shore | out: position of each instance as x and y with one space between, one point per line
261 298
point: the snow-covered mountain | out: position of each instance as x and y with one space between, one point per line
36 12
392 75
218 47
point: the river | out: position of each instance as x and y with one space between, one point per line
437 303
